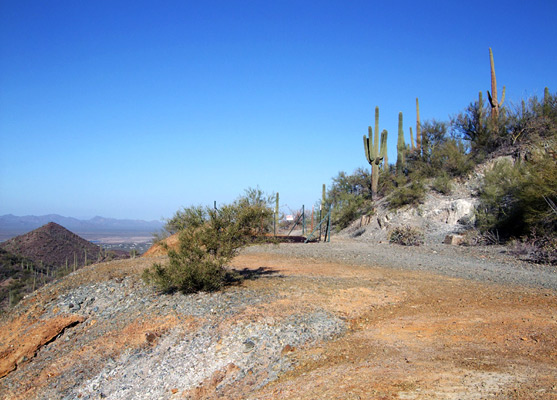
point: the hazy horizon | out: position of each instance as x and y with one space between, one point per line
132 110
81 218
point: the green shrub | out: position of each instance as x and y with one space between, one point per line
515 200
387 182
412 193
350 196
348 208
406 236
440 154
206 244
452 158
476 126
498 197
442 184
192 267
358 184
185 218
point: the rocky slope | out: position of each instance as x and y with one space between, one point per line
328 324
438 216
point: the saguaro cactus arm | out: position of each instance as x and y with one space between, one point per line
373 155
384 149
371 142
368 147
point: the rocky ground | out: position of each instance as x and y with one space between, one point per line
350 319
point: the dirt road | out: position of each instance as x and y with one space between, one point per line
415 335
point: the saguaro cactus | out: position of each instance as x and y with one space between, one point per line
495 103
374 155
546 106
480 106
418 127
323 197
400 147
412 146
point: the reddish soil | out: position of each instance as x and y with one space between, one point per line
412 335
420 336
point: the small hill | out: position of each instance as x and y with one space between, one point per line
36 258
161 248
53 245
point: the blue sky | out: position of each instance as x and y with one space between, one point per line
133 109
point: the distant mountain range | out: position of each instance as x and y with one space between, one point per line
11 225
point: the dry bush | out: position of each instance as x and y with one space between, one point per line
406 236
536 249
473 237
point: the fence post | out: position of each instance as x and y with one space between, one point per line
329 227
320 219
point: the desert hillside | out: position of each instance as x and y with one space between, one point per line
53 245
325 320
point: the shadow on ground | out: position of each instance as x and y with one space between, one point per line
239 275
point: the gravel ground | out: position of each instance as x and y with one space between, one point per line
482 263
137 343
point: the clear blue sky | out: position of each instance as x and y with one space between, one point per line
133 109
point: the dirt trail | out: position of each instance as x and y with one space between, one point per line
416 335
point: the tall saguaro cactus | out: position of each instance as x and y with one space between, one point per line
546 106
400 146
480 106
375 156
418 127
495 103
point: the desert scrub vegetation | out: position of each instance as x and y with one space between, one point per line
442 184
412 193
19 278
406 236
518 192
208 239
536 249
350 197
516 198
442 153
442 157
